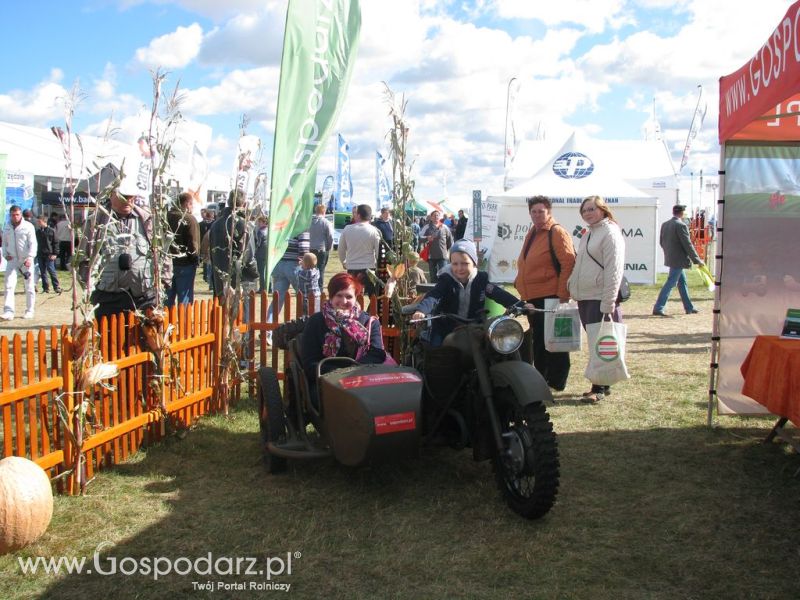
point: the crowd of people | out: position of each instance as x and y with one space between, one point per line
230 250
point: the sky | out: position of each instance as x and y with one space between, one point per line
600 66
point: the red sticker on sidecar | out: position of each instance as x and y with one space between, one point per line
396 422
356 381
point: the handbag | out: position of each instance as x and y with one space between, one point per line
624 291
606 352
425 253
562 328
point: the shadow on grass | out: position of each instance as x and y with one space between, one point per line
661 513
668 343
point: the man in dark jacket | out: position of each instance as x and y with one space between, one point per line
232 237
185 250
461 226
47 250
679 254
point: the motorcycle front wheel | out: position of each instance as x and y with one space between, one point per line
527 472
271 418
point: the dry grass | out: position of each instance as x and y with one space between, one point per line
652 504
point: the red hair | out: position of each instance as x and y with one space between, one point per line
342 281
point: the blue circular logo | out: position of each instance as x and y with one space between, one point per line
573 165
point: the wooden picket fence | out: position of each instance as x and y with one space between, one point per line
36 375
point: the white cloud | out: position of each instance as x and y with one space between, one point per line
173 50
247 38
39 106
593 15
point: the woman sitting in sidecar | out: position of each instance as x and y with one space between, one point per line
361 410
341 329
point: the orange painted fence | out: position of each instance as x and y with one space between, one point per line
36 373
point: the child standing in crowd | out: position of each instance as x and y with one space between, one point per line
415 274
308 279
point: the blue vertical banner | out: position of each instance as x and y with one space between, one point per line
344 183
327 193
383 188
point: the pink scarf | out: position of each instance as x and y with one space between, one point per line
343 323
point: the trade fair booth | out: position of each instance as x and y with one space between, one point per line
753 370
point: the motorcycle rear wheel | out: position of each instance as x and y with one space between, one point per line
527 473
271 418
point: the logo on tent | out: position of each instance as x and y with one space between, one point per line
573 165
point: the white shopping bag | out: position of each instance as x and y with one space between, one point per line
562 328
606 353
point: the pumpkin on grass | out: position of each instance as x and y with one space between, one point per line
26 503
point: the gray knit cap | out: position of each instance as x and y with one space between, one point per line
467 247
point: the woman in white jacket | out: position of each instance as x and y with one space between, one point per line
597 275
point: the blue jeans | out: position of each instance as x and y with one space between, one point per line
283 275
675 277
48 267
182 287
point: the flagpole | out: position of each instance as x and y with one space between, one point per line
508 103
689 136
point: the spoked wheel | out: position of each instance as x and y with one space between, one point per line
271 419
527 472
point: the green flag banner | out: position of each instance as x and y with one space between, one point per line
319 50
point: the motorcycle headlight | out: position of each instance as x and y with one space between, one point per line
505 335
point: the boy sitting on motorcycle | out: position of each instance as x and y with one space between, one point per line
462 289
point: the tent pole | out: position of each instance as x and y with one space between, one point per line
713 371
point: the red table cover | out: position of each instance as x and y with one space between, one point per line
771 374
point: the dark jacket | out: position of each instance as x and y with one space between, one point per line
314 336
227 238
185 248
46 241
461 228
677 245
385 227
444 298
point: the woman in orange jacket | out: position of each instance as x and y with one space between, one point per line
543 268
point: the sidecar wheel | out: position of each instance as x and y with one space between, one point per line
528 472
271 418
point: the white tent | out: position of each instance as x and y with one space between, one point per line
37 150
644 164
567 177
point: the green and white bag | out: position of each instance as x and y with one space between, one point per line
562 328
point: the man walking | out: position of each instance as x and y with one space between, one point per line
185 250
679 254
359 245
46 255
19 249
321 232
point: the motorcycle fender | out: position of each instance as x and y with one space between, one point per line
527 383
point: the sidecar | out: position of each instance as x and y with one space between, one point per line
366 414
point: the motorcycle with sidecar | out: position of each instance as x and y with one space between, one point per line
473 391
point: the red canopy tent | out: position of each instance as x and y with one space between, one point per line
758 271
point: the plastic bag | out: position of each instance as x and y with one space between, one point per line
606 353
705 275
562 329
424 254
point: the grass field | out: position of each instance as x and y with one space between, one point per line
652 504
